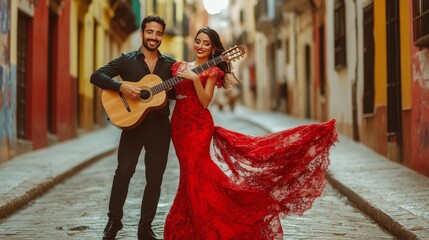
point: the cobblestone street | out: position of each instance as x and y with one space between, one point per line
76 208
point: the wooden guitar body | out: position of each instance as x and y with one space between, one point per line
126 113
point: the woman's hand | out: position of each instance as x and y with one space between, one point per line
188 74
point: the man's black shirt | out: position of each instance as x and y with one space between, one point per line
132 67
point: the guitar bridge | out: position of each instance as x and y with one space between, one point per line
124 101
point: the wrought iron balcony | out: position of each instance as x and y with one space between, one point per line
126 16
268 14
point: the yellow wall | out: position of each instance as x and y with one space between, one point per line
171 45
102 14
405 38
100 57
95 26
380 74
86 62
74 38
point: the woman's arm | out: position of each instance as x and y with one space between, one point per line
205 94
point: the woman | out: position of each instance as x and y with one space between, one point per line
266 177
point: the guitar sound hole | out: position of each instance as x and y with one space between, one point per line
145 94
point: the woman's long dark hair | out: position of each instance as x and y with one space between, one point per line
219 49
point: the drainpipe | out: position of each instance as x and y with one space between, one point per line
354 82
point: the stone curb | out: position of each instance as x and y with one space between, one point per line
381 218
76 154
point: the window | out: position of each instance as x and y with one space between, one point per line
287 51
368 63
340 34
394 112
421 22
21 98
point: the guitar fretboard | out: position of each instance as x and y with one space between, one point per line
174 80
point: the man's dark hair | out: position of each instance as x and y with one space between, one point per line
152 18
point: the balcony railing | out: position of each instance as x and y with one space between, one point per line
127 16
267 14
421 23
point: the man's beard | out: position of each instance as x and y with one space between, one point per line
146 45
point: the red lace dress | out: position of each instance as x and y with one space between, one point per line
251 181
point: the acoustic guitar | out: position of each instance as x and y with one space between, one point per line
127 114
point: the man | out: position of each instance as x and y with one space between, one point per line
153 133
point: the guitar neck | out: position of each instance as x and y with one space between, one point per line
174 80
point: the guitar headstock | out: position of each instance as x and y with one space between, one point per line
233 53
